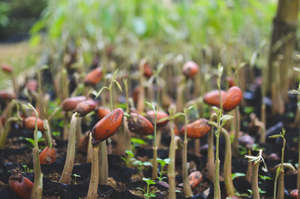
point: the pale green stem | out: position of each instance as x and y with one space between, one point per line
37 189
186 185
171 167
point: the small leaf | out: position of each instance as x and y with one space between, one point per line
147 164
118 85
226 117
236 175
137 141
275 136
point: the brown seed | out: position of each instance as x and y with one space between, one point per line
6 68
48 156
107 126
29 123
147 70
190 69
21 185
70 103
233 98
102 112
93 77
195 178
197 129
230 81
213 97
139 124
160 116
5 95
86 107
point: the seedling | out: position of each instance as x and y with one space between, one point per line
5 126
279 176
69 163
148 193
196 129
162 163
254 180
38 176
75 177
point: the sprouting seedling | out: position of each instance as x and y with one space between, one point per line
279 176
230 190
38 175
148 193
76 176
172 153
154 170
113 82
187 188
256 161
219 112
162 163
5 126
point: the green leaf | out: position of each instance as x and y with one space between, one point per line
137 141
236 175
226 117
275 136
265 177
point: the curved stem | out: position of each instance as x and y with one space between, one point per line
227 165
37 189
48 133
228 162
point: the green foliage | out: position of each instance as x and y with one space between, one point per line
162 171
147 192
188 24
31 140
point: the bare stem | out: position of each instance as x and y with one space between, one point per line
227 163
66 126
103 163
37 189
69 163
94 179
237 131
4 130
249 168
186 185
254 179
154 170
211 157
171 167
